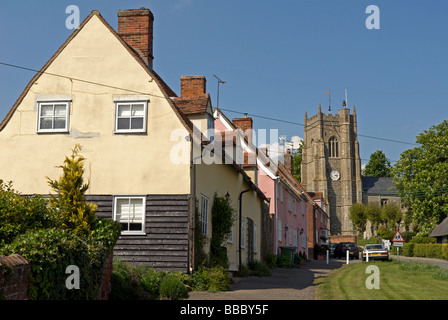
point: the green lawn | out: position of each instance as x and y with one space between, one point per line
397 281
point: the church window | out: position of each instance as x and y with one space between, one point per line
333 147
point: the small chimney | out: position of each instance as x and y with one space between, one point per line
245 124
192 86
288 160
135 27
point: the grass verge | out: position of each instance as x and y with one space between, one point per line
396 281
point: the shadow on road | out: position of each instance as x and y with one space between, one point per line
283 284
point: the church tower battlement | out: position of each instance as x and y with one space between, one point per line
331 164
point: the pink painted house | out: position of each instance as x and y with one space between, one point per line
290 204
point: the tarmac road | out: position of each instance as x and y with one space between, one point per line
283 284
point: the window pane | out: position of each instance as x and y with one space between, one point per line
137 110
60 110
136 210
46 123
123 124
124 110
137 123
46 110
59 123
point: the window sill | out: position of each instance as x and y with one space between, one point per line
133 233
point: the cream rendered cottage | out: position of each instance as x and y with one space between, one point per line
99 90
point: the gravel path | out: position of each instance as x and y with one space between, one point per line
283 284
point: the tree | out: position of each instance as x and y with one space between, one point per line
358 217
69 203
297 162
391 214
373 214
378 166
421 176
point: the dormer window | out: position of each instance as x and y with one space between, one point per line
53 116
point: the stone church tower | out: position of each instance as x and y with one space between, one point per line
331 164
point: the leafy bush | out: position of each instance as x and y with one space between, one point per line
50 252
259 269
283 261
271 260
124 282
214 278
19 214
420 239
173 288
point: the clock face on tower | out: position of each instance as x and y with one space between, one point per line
334 175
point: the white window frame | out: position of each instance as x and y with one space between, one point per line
129 198
145 116
204 214
254 244
53 103
294 208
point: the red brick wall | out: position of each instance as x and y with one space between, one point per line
337 239
105 287
14 277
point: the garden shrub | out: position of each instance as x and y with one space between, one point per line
124 282
420 239
50 252
213 278
259 269
271 260
19 214
173 288
283 261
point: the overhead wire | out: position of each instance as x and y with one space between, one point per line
415 192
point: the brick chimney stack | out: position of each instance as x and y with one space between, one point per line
192 86
245 124
135 27
288 160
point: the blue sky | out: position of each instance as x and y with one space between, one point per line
278 58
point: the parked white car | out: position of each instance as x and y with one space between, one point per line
375 251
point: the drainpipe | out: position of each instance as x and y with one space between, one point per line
240 198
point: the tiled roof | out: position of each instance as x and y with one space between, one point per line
379 185
190 106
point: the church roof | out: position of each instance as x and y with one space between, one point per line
379 186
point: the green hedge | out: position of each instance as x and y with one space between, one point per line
426 250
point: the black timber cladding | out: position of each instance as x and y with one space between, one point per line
165 244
